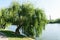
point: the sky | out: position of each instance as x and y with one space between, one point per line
51 7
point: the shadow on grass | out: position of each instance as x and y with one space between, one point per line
11 34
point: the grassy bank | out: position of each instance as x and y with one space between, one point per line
12 36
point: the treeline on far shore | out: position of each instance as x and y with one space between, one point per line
54 21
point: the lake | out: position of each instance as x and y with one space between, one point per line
51 32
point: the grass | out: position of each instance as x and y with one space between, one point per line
12 36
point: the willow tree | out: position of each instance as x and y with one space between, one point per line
27 17
2 18
39 21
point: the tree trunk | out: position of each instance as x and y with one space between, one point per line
17 30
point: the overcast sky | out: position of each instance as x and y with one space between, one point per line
51 7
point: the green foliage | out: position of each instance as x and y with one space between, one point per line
55 21
26 16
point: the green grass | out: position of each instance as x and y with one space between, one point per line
12 36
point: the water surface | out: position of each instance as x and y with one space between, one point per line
51 32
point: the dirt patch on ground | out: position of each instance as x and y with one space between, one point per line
3 36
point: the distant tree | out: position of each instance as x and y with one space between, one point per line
57 20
